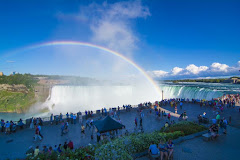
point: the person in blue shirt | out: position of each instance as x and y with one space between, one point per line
153 149
163 149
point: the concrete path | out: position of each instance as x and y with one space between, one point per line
15 145
19 142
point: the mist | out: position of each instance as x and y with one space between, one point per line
89 78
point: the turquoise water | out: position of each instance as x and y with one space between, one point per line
198 90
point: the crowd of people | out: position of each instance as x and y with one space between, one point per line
9 127
58 149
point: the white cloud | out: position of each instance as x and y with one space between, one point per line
176 70
192 71
218 67
159 73
111 23
113 29
195 70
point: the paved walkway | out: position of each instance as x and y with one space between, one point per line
19 142
15 145
226 147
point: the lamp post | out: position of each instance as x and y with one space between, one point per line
162 95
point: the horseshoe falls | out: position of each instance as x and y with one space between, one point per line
69 98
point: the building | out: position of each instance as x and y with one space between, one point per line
1 74
232 80
13 73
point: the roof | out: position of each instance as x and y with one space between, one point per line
107 124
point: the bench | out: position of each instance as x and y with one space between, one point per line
207 136
151 156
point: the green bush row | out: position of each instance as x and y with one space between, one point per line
125 147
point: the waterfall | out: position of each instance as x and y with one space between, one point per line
81 98
180 91
71 98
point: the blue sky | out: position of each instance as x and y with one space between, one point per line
169 39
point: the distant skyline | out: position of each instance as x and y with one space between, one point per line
168 39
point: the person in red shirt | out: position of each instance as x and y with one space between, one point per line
70 144
37 135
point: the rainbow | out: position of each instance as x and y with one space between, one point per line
77 43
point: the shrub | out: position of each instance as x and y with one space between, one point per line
123 148
186 127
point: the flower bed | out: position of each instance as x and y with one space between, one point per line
184 126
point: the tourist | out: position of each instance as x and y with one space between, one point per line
55 148
45 150
225 125
37 134
214 131
51 119
70 144
13 127
80 118
31 124
60 117
30 151
91 123
88 124
214 121
102 111
50 150
83 130
230 119
37 123
163 149
2 125
65 146
98 136
153 150
170 146
218 118
56 119
40 121
169 116
141 122
71 117
59 149
66 127
135 121
165 114
166 125
7 127
36 151
74 117
67 115
40 129
181 104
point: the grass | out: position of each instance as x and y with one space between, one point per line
16 101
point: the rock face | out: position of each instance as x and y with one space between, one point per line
14 88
